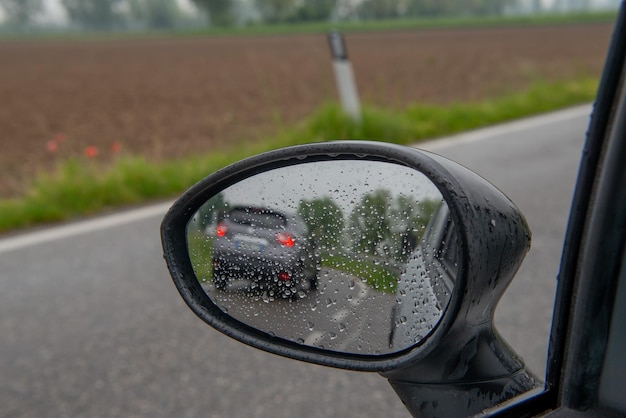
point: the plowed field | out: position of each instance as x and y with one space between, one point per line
170 98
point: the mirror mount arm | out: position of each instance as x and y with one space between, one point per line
464 376
472 368
462 398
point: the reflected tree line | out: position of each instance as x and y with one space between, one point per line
380 225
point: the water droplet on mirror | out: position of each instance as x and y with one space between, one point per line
342 261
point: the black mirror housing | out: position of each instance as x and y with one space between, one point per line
492 240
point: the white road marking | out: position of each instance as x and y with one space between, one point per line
313 338
66 231
83 227
506 128
361 294
340 315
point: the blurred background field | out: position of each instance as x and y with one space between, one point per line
77 105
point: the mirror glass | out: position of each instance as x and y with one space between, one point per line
354 256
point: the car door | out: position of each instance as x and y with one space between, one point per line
462 367
587 355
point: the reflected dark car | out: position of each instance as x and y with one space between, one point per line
264 250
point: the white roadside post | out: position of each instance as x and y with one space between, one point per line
344 76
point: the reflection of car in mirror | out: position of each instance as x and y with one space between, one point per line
265 249
359 236
426 283
439 252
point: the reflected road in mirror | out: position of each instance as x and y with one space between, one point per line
353 256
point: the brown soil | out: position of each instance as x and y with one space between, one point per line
170 98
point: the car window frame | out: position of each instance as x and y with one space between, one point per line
564 390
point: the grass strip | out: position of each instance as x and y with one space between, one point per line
79 187
375 275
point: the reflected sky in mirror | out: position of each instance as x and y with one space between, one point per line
353 256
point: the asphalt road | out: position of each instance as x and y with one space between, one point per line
91 325
334 316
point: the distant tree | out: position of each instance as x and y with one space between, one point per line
21 12
318 10
157 14
220 12
346 9
93 14
434 7
277 11
407 223
456 7
211 211
379 9
324 219
368 224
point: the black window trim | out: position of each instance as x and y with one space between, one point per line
598 135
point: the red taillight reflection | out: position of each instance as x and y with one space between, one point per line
284 276
221 230
285 239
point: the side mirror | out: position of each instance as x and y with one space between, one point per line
358 255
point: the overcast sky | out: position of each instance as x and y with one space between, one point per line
346 182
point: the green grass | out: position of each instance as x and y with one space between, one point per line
421 121
414 23
374 275
201 254
79 187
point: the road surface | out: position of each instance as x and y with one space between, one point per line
91 324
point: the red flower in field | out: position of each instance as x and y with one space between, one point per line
52 146
116 147
91 151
